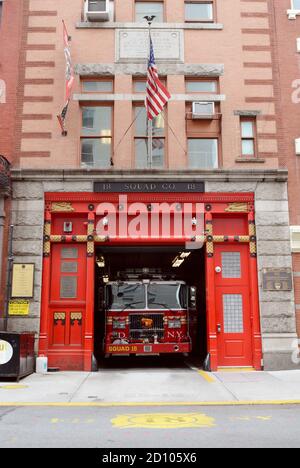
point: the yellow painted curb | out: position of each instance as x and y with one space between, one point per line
152 404
236 369
208 377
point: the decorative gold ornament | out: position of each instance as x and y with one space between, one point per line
237 208
62 207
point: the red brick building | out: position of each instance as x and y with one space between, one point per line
231 158
10 43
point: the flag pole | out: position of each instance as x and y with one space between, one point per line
150 19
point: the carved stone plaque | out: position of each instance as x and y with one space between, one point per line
69 267
277 279
68 287
69 252
132 45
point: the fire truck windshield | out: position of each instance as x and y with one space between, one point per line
126 296
167 296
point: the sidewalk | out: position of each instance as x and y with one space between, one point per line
153 387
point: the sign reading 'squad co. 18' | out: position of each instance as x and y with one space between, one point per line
149 186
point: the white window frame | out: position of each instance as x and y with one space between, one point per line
295 245
293 12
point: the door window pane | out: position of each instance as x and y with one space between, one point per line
233 313
199 11
231 265
201 86
149 9
203 153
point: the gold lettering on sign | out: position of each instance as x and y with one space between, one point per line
237 208
62 207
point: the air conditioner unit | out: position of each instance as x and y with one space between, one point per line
203 110
97 10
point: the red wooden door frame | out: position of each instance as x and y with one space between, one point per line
240 344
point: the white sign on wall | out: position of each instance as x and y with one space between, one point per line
132 45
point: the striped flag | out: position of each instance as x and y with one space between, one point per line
157 95
70 78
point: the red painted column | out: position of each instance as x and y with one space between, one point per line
90 296
212 343
254 296
44 328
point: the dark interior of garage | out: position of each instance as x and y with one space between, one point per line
112 262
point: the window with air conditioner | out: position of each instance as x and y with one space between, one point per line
203 110
98 10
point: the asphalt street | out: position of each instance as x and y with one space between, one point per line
148 427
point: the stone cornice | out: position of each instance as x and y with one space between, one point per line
221 175
118 25
140 69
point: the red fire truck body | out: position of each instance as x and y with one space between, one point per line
146 317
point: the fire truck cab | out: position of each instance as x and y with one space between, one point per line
147 317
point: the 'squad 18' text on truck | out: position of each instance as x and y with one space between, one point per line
147 317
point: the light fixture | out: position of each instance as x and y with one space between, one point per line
100 260
177 262
184 254
105 279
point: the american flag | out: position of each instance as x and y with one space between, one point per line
157 95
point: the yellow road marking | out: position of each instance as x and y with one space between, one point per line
236 369
13 387
152 404
208 377
163 421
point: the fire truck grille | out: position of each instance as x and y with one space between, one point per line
146 326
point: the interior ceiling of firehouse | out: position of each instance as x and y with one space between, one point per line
153 257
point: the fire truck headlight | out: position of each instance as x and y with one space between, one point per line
118 325
175 323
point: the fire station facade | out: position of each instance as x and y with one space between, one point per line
217 146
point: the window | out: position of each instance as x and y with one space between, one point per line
201 86
139 86
129 296
199 11
296 4
1 8
248 132
96 137
203 153
142 155
101 86
143 9
295 238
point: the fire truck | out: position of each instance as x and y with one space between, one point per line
147 317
